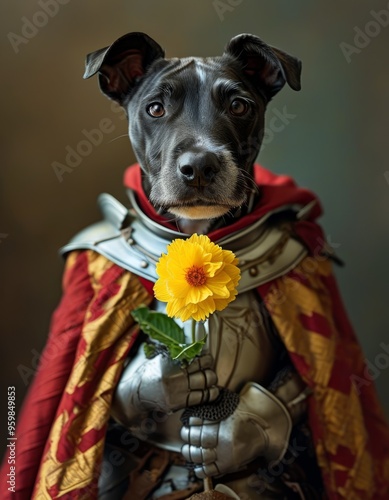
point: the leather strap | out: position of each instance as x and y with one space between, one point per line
148 474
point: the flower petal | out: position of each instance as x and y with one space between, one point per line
197 294
188 292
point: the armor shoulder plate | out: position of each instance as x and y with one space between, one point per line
133 241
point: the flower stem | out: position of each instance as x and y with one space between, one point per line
193 331
207 484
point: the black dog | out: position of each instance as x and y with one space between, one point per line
195 124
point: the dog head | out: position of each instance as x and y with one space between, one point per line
195 124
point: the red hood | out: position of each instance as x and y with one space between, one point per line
276 191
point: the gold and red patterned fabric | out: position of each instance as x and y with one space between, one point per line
349 429
62 426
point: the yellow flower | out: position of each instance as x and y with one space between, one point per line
196 278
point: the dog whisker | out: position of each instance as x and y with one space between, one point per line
249 180
119 137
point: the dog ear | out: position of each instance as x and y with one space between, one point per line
266 66
122 64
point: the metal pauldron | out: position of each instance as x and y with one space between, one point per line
135 242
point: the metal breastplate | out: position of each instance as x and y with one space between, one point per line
243 349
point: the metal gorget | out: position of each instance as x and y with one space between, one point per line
135 242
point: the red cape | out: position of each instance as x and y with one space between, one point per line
64 418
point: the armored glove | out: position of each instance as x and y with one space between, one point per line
259 426
161 384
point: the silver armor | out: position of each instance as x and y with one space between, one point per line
239 349
243 353
240 353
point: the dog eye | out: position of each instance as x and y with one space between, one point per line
239 107
156 110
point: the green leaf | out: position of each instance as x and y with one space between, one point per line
188 351
159 326
149 350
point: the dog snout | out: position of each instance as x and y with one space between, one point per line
198 169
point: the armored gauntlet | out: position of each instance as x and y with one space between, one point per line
160 384
260 426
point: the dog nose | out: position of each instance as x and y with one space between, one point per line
198 168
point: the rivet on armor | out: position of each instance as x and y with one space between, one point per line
253 271
144 264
